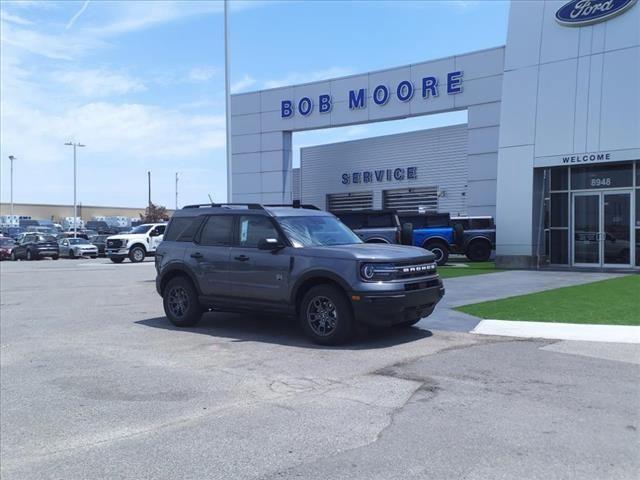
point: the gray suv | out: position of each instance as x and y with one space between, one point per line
295 261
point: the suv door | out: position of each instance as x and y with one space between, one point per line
208 255
259 275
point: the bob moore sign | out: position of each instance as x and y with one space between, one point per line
429 88
579 13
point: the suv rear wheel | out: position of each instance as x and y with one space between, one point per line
479 251
181 304
326 315
440 250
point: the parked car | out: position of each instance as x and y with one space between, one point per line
376 226
77 247
71 234
34 246
295 261
12 232
101 227
140 242
6 245
100 241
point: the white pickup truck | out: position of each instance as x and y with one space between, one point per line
140 242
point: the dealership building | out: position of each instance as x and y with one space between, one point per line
551 146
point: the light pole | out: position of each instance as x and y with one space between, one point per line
227 102
12 158
176 209
75 205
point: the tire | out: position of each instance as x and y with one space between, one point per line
71 254
55 257
30 255
181 304
406 234
479 251
117 260
440 250
326 315
137 254
14 257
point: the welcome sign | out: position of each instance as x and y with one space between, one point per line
579 13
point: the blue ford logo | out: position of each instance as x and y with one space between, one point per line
579 13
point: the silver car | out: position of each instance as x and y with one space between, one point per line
77 247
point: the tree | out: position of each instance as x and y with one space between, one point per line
154 214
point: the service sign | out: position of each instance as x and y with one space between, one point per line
579 13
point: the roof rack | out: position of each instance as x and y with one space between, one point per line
295 204
250 206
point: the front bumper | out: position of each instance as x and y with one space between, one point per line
391 308
116 252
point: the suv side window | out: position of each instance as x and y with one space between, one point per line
159 230
182 229
381 220
253 228
217 231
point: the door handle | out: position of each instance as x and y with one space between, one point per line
241 258
196 255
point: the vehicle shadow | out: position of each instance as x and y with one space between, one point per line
286 331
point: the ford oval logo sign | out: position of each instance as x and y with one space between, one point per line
579 13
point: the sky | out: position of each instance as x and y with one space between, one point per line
141 83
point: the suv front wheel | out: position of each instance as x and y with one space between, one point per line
181 304
326 315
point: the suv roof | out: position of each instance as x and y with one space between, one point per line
250 208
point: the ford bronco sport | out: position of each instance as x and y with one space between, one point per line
297 261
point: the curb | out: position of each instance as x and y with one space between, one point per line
560 331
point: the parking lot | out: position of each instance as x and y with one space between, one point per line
97 384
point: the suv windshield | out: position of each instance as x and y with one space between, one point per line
317 231
140 229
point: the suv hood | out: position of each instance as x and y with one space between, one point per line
379 252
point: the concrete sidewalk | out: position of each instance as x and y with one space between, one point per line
495 286
560 331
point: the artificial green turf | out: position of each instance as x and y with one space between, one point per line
472 268
612 302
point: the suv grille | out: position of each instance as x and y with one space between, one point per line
414 270
114 243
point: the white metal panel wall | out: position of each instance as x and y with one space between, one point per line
295 183
439 154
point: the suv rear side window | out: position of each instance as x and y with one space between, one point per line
182 229
381 220
217 231
352 220
254 228
482 223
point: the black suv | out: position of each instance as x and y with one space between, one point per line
297 261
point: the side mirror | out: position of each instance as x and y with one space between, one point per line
272 244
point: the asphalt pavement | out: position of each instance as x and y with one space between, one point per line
95 383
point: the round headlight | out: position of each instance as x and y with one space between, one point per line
368 271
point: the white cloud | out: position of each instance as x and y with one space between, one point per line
202 74
244 83
7 17
98 83
295 78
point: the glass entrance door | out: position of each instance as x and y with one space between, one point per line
616 228
602 229
586 229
